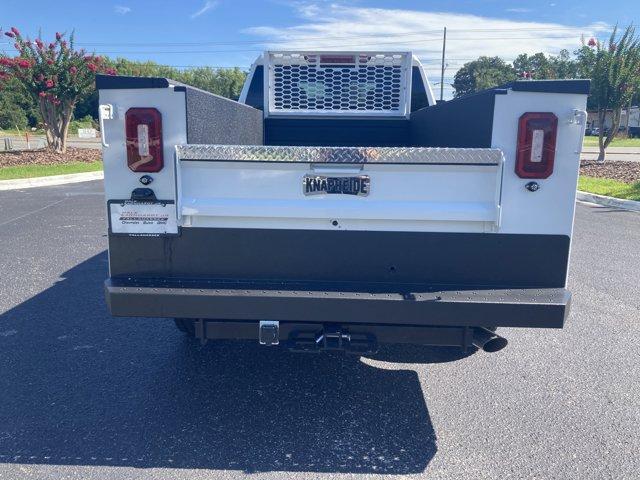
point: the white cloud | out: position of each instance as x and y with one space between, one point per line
344 27
208 5
121 10
519 10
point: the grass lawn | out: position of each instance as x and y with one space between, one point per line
617 142
611 188
29 171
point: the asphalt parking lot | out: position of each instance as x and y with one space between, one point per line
87 396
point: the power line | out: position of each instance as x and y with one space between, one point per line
215 67
174 52
370 35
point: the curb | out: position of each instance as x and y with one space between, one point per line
608 201
51 180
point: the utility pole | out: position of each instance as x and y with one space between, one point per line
444 47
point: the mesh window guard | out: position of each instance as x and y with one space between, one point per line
338 83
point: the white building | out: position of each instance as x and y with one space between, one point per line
634 119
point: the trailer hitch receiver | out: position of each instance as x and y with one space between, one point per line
333 338
269 332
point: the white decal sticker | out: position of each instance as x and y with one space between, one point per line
143 218
536 147
143 140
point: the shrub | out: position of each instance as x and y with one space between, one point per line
56 76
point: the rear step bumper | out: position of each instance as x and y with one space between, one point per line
342 303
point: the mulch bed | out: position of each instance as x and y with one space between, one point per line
44 157
627 172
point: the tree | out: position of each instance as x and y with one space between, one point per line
13 107
534 66
55 77
542 67
485 72
225 82
564 66
614 69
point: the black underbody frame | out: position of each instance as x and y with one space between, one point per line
399 287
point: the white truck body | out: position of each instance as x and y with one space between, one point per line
426 223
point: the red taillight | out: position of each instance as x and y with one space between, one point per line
144 139
536 148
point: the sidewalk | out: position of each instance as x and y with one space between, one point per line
629 154
22 183
626 150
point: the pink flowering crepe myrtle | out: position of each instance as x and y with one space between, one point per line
56 76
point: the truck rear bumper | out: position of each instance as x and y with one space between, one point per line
408 305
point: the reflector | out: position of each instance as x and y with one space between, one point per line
144 139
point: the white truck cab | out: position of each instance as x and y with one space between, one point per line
337 206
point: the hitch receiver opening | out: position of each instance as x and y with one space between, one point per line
269 332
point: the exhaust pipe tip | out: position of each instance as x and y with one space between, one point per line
488 340
495 345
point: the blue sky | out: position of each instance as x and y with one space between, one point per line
232 32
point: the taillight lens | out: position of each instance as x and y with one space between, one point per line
536 148
144 139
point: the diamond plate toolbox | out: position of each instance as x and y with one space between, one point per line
357 155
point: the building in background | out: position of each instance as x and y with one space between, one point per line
633 125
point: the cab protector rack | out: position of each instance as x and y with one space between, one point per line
378 155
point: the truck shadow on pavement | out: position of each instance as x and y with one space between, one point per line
83 388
